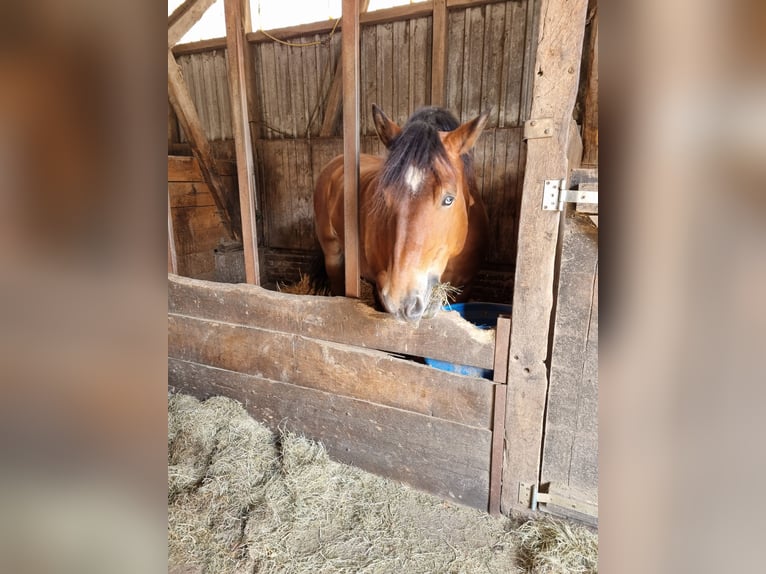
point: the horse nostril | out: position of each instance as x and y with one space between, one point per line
413 308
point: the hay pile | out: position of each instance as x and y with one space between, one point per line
241 499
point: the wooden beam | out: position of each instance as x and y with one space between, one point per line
236 47
445 337
590 110
350 63
439 54
559 51
335 94
500 376
183 105
396 14
172 256
184 17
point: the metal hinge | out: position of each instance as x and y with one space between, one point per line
557 497
555 196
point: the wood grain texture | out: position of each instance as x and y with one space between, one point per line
197 229
444 458
189 121
183 168
500 376
559 52
439 54
445 337
345 370
570 457
590 108
350 68
236 47
184 17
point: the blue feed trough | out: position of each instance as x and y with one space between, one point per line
484 316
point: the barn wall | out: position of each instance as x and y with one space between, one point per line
197 228
488 69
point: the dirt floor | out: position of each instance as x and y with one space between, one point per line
241 499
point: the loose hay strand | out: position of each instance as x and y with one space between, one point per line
263 503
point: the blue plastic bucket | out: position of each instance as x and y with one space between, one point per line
484 316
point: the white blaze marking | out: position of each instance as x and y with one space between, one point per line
414 178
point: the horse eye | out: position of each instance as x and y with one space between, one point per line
448 200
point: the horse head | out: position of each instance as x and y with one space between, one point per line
419 208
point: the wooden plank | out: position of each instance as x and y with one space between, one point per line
559 53
406 12
350 63
445 337
236 45
500 376
385 69
344 370
441 457
189 194
493 70
519 39
196 229
189 121
199 265
590 111
172 255
334 97
184 17
439 54
185 168
420 68
571 430
473 55
369 78
455 64
400 59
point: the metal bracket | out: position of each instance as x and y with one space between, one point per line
538 128
555 196
531 497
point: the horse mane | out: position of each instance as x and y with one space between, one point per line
419 146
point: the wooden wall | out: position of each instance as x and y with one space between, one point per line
196 226
488 68
321 366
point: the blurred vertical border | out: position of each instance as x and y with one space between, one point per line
82 286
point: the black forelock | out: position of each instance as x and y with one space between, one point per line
417 145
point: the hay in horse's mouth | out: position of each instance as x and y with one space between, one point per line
443 294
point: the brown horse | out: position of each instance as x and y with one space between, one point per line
421 219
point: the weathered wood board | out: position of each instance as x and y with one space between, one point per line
446 337
441 457
570 456
559 51
197 226
277 354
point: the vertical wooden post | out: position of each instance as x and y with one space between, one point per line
559 51
335 94
439 54
236 46
172 255
500 376
350 63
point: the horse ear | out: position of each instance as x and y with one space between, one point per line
387 130
462 139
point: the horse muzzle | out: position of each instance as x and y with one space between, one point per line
411 307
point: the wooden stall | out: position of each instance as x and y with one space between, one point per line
197 227
333 368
